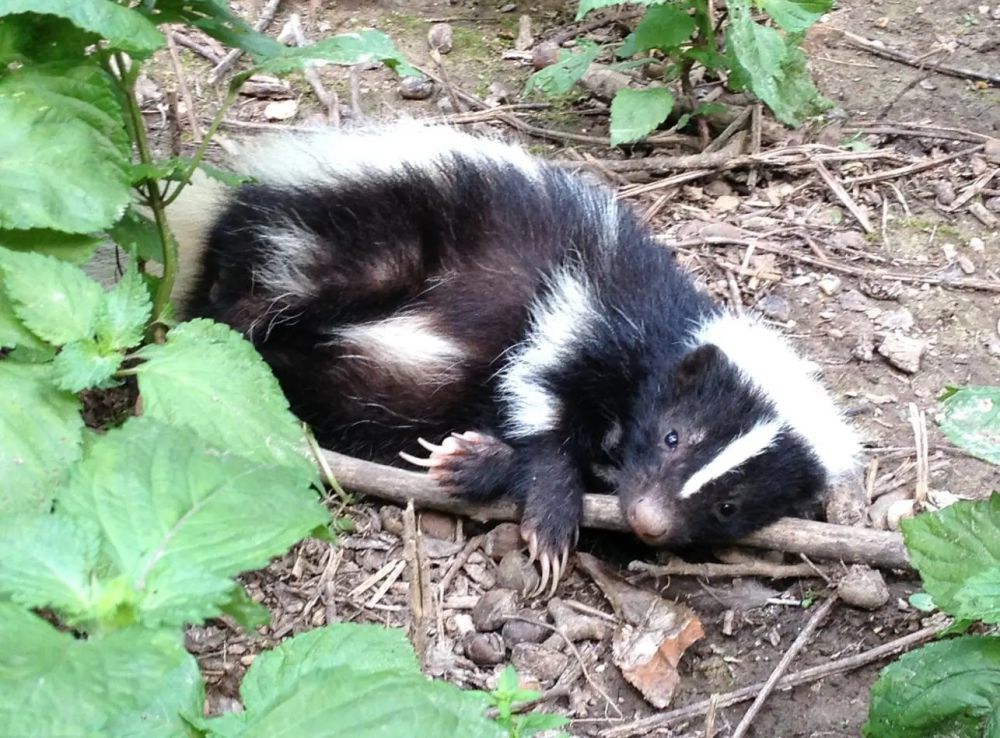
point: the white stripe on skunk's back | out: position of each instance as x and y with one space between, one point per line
331 155
767 360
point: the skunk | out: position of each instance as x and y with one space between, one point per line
411 282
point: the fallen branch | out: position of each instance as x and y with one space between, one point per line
878 49
816 540
680 568
266 17
645 726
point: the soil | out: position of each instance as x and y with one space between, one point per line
836 318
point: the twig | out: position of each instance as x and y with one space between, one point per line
956 283
471 546
913 168
327 99
755 133
918 130
728 132
575 30
973 189
418 576
266 17
816 540
187 42
192 114
885 52
838 190
779 671
680 568
645 726
918 421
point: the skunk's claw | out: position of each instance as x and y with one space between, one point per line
454 462
552 558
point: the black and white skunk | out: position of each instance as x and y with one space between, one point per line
412 282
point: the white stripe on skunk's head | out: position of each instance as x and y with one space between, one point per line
766 360
329 156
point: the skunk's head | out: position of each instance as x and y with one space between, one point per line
707 458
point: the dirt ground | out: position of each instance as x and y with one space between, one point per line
840 317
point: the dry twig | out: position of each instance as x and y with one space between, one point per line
678 567
874 47
267 14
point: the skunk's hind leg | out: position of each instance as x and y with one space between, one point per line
475 465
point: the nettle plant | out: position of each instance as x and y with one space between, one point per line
952 687
113 538
764 58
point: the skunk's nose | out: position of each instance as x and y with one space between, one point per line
650 520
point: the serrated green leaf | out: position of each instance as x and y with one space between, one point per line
55 300
247 613
361 648
559 78
40 436
40 38
138 235
122 316
230 179
587 6
636 113
664 27
63 149
970 417
209 378
129 684
12 330
84 365
979 597
121 27
45 561
335 703
951 546
178 520
75 248
950 688
772 66
795 15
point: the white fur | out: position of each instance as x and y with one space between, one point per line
330 156
558 321
789 381
407 344
741 449
291 250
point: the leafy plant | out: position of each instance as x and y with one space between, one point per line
506 697
952 687
113 538
765 59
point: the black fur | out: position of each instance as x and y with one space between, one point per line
472 251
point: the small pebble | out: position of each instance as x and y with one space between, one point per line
863 587
829 285
966 265
514 572
900 319
416 88
864 350
543 663
902 352
854 301
977 244
944 191
776 308
501 540
544 55
485 649
879 290
993 204
439 37
494 609
527 627
848 239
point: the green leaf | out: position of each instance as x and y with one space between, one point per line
970 417
636 113
75 248
663 27
772 66
129 684
952 546
559 78
334 703
84 365
45 561
178 520
922 601
40 436
138 235
55 300
345 49
122 316
121 27
63 149
216 19
587 6
12 330
247 613
795 15
979 597
39 38
950 688
204 377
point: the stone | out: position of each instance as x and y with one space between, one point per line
485 649
494 609
902 352
863 587
775 307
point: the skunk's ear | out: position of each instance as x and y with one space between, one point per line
695 365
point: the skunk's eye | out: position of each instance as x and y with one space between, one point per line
671 439
725 510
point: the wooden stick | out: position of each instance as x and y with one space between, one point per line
646 725
779 671
266 17
679 568
841 194
814 539
873 47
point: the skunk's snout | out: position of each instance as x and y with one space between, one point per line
650 520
